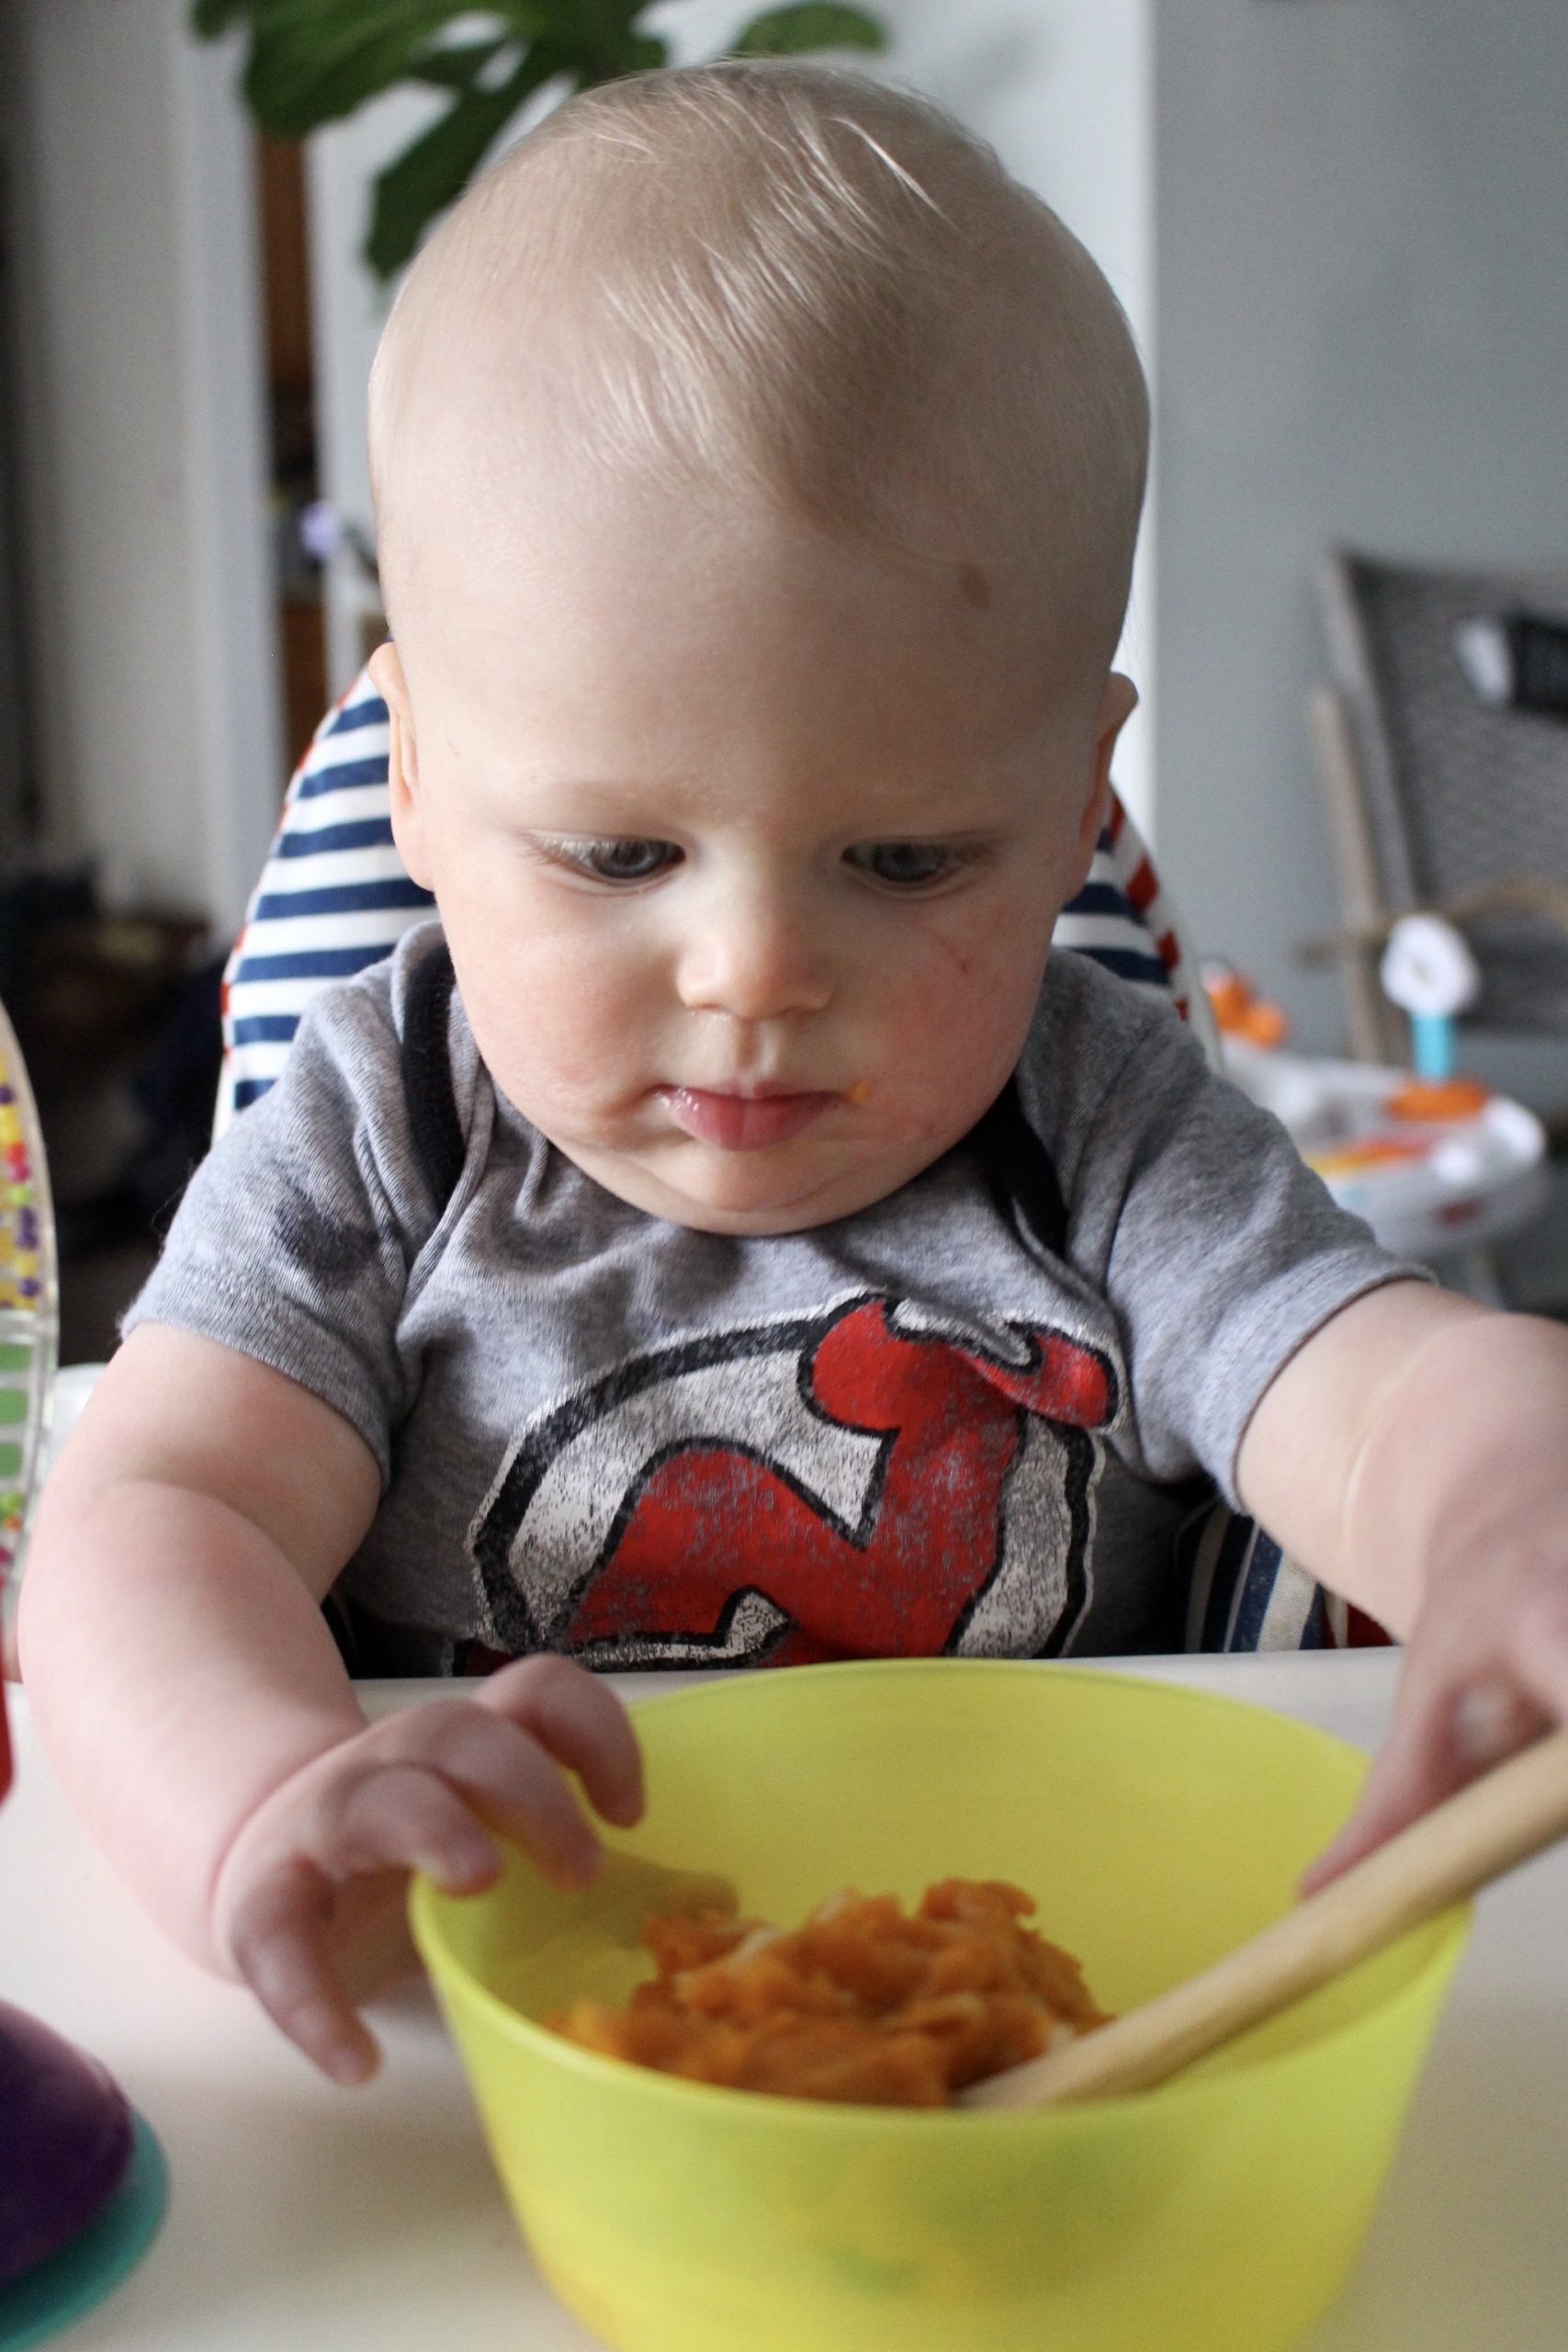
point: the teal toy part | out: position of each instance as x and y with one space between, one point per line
61 2289
1432 1045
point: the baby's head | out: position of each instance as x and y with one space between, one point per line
756 470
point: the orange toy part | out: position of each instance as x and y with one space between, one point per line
1352 1158
1439 1097
863 2003
1240 1011
1267 1024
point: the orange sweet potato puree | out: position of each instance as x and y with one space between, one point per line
865 2002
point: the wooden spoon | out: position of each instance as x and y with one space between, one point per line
1463 1844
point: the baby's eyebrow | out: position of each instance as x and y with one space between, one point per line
950 809
613 796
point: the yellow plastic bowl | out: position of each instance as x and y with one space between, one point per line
1156 1828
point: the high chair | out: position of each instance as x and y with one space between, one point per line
1445 789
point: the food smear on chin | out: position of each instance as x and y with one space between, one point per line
865 2003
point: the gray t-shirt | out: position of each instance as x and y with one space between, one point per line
966 1419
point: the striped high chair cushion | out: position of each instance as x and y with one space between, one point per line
333 897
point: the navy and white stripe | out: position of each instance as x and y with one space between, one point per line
1244 1594
332 898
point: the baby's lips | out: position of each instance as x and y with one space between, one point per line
743 1122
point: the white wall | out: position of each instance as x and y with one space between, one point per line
348 308
1362 268
1061 87
143 449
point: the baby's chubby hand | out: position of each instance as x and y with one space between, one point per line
1485 1673
309 1881
1412 1454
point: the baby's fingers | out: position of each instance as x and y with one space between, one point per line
406 1815
501 1772
1407 1777
581 1721
284 1922
278 1940
402 1817
1443 1736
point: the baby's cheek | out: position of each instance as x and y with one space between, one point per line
971 991
949 1052
550 1021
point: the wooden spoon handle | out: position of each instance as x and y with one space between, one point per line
1472 1837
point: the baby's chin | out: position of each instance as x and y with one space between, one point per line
747 1193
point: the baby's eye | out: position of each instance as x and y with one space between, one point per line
907 865
631 860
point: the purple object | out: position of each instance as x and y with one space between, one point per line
65 2141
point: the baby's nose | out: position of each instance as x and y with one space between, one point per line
754 956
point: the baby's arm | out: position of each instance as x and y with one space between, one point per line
1414 1455
194 1704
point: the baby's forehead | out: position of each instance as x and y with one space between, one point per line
673 670
644 569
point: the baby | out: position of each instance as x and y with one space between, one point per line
729 1234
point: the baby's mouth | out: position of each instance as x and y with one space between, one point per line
742 1121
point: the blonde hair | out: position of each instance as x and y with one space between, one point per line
791 277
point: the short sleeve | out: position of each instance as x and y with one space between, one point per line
1219 1251
296 1238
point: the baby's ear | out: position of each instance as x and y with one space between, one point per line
402 762
1117 704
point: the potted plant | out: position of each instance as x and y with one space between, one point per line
314 61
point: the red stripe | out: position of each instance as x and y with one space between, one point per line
1168 950
1143 887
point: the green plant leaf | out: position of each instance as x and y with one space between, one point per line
312 61
427 176
519 19
645 51
458 68
209 19
806 25
311 67
596 38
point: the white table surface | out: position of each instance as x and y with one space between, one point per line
370 2220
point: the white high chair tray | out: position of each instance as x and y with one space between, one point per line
305 2215
1474 1181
